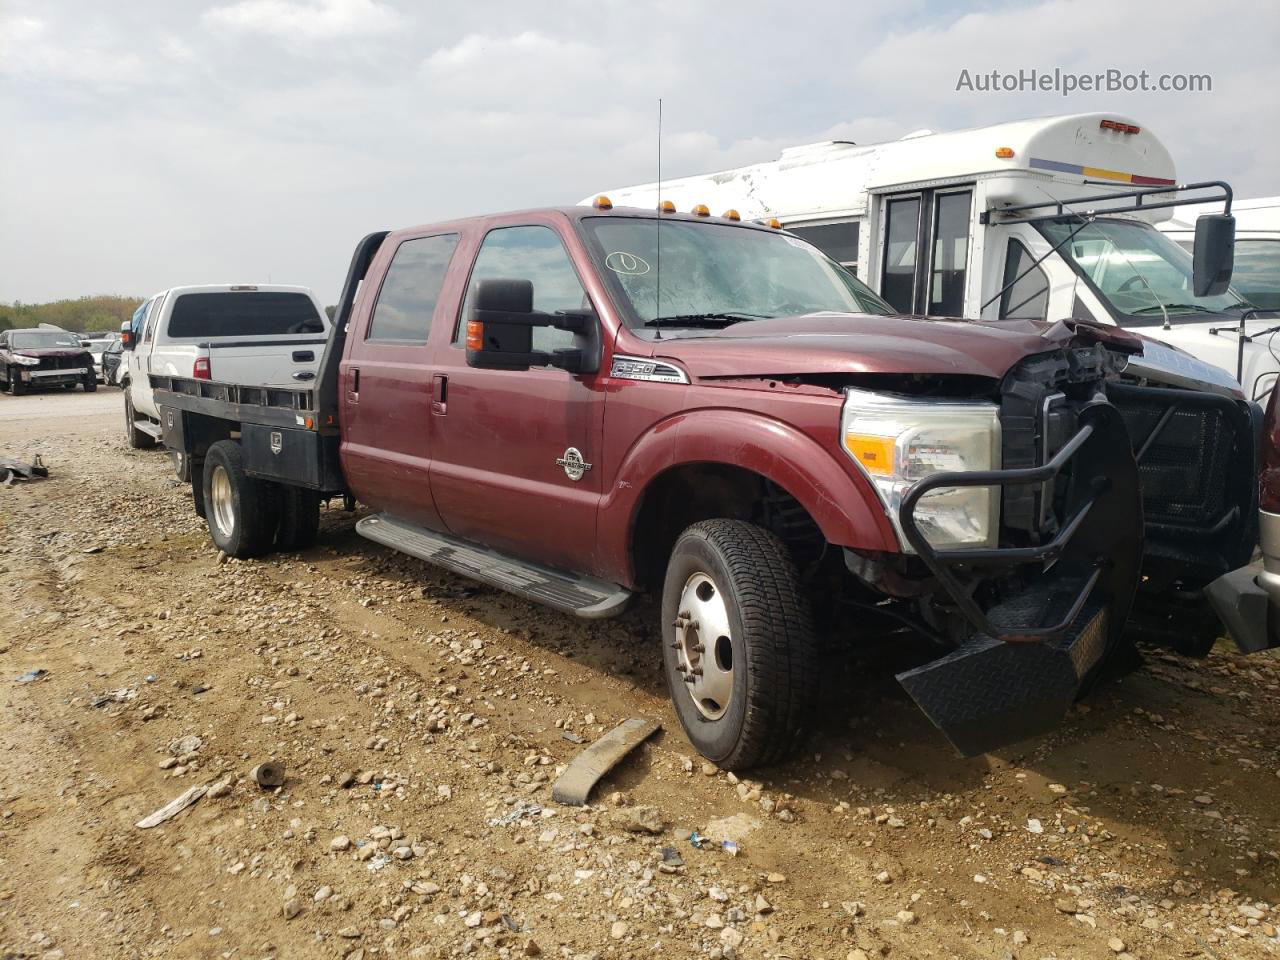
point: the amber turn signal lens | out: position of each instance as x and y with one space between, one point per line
1004 153
475 335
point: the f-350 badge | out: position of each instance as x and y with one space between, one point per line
575 468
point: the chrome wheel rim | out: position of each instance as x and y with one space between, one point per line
704 646
224 515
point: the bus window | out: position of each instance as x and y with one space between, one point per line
950 254
839 241
1028 299
902 229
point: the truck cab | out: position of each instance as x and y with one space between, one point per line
923 222
581 404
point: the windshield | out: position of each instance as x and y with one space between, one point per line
1257 272
43 340
1138 271
715 274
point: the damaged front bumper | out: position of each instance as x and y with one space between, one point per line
1247 600
1030 653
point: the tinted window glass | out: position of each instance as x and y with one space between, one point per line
950 254
839 241
1028 299
243 315
411 288
901 236
535 254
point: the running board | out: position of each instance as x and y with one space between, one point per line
150 428
582 596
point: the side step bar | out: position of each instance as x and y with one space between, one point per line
149 427
582 596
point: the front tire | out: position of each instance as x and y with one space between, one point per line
240 510
738 644
16 385
91 385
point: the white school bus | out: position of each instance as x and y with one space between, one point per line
1048 219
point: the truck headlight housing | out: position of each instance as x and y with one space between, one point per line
897 441
26 361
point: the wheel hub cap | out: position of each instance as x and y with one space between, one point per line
224 514
704 646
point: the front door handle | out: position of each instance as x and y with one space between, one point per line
353 394
439 394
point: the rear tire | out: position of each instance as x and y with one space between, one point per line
240 510
181 465
299 519
754 643
138 440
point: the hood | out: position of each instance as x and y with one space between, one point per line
836 343
43 352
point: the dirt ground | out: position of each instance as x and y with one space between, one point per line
420 719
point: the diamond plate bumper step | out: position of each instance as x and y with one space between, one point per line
990 693
582 596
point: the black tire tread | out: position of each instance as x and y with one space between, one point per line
779 640
256 523
299 519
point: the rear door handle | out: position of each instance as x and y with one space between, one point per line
439 394
304 356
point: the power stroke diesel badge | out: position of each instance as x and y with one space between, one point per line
575 468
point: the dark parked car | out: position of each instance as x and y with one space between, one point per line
44 358
111 362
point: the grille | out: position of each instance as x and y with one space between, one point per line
60 363
1185 470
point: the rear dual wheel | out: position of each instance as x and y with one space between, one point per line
739 646
247 516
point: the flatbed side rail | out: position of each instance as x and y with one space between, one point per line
239 403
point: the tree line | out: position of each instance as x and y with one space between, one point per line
83 314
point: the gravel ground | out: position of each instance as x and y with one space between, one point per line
420 719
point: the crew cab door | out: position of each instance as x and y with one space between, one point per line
140 393
515 464
386 380
924 242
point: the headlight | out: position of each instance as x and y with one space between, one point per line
897 442
26 361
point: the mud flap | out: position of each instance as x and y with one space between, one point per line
990 693
1244 608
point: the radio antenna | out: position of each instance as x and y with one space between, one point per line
657 296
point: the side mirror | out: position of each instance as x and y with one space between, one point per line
1213 255
500 325
500 331
126 335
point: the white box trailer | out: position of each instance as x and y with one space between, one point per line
1047 219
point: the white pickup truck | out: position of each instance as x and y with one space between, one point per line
261 334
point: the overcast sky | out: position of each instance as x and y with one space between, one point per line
149 144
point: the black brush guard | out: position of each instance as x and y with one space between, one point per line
1046 633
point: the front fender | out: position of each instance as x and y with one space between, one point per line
841 501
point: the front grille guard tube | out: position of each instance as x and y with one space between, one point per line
938 562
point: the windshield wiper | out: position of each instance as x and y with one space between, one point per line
1173 306
713 321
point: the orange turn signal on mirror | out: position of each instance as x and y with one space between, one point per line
475 335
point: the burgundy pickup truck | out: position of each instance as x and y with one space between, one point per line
579 404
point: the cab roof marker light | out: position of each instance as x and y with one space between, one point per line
666 206
731 214
602 202
701 210
773 222
1119 127
245 286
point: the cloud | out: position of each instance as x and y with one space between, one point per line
290 20
29 51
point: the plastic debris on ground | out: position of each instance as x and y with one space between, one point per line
699 842
115 696
31 676
516 814
11 470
